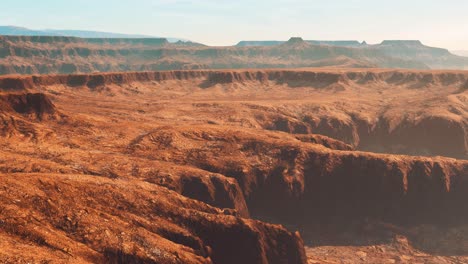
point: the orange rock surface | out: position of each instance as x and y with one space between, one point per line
173 167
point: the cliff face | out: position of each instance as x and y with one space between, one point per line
311 78
293 180
211 188
95 80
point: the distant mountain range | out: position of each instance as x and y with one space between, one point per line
385 54
22 31
64 54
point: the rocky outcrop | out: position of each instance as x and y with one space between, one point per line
211 188
36 105
21 115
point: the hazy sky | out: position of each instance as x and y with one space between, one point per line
441 23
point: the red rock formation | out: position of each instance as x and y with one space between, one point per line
211 188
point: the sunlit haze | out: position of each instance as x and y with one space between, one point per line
222 22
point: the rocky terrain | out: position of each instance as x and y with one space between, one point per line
238 166
60 54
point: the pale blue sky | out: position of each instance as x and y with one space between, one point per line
225 22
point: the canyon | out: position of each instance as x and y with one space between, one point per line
329 165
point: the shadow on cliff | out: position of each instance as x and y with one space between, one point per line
437 240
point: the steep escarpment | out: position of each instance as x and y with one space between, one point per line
428 134
94 80
294 78
425 135
292 180
418 136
